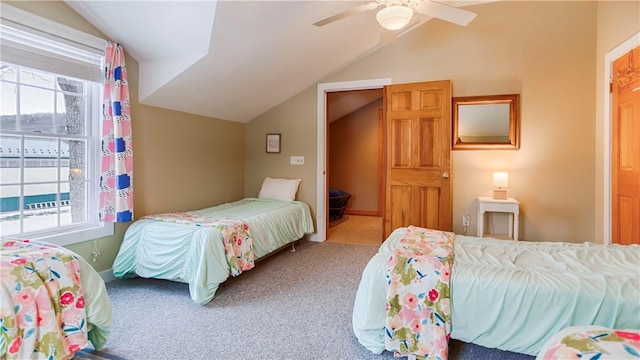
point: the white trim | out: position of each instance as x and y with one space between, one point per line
64 238
36 49
83 40
51 27
323 89
107 275
609 58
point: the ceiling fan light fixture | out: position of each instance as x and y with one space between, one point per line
394 17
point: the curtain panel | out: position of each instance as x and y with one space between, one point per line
116 179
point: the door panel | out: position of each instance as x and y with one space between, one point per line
401 100
429 131
625 146
400 135
429 199
399 194
625 209
418 128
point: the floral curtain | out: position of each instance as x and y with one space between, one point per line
116 179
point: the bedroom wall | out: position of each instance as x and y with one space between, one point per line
294 122
178 157
353 157
545 51
617 21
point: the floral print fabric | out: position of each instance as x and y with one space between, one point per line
592 342
237 240
418 309
42 308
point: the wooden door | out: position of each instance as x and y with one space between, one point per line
625 146
417 157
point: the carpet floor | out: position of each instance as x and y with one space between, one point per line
293 305
357 230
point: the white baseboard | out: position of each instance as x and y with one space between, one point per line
314 237
107 275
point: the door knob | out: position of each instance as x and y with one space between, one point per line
445 175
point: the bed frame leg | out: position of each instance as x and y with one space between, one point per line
293 247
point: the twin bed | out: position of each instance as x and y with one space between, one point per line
204 247
502 294
53 303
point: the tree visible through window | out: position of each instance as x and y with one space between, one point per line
51 79
45 142
75 116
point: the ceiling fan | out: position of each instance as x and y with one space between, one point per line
396 14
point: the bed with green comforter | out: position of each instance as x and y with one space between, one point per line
196 247
515 295
52 302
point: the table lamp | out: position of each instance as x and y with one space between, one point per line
500 184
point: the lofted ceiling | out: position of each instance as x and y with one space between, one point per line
235 59
343 103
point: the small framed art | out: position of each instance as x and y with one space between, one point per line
273 143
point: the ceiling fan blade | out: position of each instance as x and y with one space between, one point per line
344 14
445 12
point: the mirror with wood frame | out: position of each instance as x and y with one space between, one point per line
489 122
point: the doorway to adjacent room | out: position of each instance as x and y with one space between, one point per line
322 209
357 230
354 166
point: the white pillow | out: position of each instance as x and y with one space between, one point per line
279 189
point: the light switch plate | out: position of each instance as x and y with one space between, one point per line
297 160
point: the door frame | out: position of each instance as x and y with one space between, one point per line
609 58
321 138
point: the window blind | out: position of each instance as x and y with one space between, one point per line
35 49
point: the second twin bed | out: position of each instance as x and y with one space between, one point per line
204 247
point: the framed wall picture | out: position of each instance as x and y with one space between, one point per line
273 143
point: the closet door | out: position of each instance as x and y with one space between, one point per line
418 155
625 146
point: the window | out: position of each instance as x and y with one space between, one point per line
50 92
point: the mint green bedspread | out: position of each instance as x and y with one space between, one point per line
515 295
196 255
97 305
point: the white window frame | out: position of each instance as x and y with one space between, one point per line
92 229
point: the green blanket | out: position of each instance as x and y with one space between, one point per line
196 254
514 295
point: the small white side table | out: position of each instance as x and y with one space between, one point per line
489 204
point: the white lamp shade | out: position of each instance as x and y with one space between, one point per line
500 179
394 17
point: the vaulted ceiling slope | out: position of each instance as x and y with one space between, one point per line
234 60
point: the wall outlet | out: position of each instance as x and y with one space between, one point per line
465 220
296 160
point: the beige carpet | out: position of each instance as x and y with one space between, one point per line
292 305
357 230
